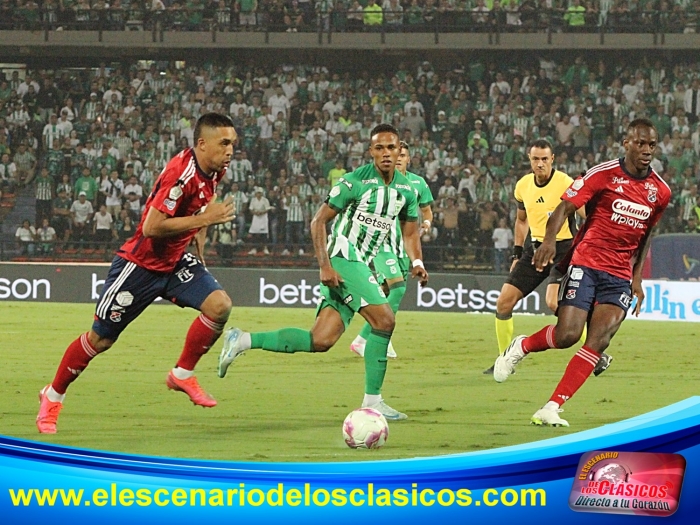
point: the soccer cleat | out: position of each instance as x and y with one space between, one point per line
548 417
506 362
48 413
359 349
488 371
387 411
602 364
231 350
190 386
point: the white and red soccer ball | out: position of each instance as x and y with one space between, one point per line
365 428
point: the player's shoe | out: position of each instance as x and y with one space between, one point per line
506 362
231 350
488 371
359 349
48 413
602 364
548 417
190 386
387 411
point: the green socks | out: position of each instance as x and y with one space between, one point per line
375 361
287 340
396 293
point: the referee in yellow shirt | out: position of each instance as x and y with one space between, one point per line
537 194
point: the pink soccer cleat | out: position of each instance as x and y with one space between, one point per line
48 413
190 387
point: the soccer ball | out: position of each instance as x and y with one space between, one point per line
365 428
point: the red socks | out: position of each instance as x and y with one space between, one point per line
540 341
76 359
577 371
202 334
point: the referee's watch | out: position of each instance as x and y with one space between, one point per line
517 253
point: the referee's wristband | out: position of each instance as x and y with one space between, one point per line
517 252
417 262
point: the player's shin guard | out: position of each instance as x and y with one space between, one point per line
286 340
375 361
202 334
75 359
396 293
577 371
504 331
540 341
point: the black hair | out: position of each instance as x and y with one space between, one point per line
384 128
542 144
211 120
641 123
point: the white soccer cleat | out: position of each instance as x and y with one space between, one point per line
387 411
548 417
506 362
390 352
358 348
231 350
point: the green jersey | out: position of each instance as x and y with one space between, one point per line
394 241
367 208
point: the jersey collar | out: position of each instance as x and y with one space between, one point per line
200 171
551 175
622 167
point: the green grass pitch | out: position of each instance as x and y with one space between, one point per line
277 407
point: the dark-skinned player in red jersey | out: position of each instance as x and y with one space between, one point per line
624 199
154 263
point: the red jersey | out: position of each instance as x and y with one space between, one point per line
181 190
620 209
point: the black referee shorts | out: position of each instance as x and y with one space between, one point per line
526 278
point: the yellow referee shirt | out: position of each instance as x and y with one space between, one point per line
539 203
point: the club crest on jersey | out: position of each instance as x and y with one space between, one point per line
115 317
175 193
651 196
571 294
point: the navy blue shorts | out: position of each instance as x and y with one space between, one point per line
585 287
129 289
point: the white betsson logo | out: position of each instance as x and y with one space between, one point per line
373 221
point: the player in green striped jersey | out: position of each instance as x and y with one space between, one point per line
364 205
391 264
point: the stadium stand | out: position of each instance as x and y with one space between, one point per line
306 123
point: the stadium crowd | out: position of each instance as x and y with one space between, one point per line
90 142
671 16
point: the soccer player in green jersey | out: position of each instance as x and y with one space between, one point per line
391 264
364 204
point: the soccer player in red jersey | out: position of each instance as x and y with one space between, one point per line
153 263
624 199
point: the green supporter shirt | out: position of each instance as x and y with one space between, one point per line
424 197
367 208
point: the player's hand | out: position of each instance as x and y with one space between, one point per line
418 272
330 277
220 212
638 292
512 265
544 255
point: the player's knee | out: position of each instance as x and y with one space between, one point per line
552 304
219 307
322 345
505 304
100 344
385 323
566 336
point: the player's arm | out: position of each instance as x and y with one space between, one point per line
637 289
158 224
544 255
199 241
411 240
522 226
323 216
427 212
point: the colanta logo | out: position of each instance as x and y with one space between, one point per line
631 209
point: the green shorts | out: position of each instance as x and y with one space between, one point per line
359 288
389 266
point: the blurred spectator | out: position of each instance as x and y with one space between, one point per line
26 237
502 244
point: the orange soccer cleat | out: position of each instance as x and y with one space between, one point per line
190 387
48 413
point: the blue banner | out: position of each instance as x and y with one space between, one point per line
529 483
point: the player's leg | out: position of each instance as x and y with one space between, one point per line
119 304
604 323
191 285
392 272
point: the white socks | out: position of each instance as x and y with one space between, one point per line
181 373
551 405
245 341
54 396
371 399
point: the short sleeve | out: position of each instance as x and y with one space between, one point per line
581 190
426 196
169 193
517 192
341 195
409 211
